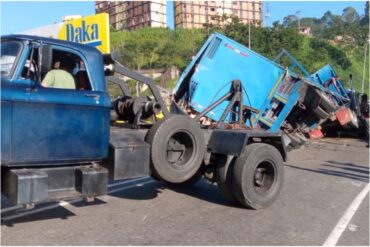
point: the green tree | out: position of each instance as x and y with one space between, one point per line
350 15
290 21
327 19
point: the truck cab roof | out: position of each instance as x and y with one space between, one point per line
86 49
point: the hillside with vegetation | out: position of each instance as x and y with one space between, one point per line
336 40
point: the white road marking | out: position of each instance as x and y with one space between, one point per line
127 182
65 203
338 230
8 209
114 184
60 204
352 227
132 186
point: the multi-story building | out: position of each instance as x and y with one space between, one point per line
197 14
131 15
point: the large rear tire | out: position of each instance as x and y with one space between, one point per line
224 176
177 149
258 176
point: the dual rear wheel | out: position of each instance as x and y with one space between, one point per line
253 179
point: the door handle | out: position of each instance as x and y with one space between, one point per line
91 95
30 90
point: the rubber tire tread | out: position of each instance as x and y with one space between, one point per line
224 176
190 182
161 169
326 104
322 114
243 175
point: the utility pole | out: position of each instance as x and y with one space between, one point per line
364 70
297 15
267 14
249 33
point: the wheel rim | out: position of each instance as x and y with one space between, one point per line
180 149
264 177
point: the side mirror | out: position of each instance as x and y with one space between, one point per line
46 58
108 61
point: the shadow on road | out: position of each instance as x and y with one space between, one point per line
339 169
38 214
201 190
55 213
145 192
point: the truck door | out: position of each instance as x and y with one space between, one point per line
11 51
55 124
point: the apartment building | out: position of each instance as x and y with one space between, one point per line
196 14
131 15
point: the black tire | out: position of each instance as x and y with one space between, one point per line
326 103
322 114
224 175
258 176
177 149
190 182
316 98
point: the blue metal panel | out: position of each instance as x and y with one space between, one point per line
189 68
6 118
267 86
225 60
59 125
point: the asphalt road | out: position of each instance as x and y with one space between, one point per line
321 183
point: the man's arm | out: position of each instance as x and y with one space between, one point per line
48 80
335 84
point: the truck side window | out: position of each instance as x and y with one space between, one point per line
67 71
30 68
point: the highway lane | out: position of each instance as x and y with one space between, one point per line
321 182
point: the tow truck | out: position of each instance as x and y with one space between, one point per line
65 143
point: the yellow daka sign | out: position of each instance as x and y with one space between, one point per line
90 30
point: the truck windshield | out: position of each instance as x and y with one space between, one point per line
10 50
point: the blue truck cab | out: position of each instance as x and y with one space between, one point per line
41 125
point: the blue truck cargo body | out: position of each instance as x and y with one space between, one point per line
267 86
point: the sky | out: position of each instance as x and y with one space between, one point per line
17 16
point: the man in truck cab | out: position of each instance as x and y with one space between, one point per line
59 77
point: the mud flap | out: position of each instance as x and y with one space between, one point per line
316 134
345 116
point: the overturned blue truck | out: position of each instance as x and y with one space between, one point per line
272 97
